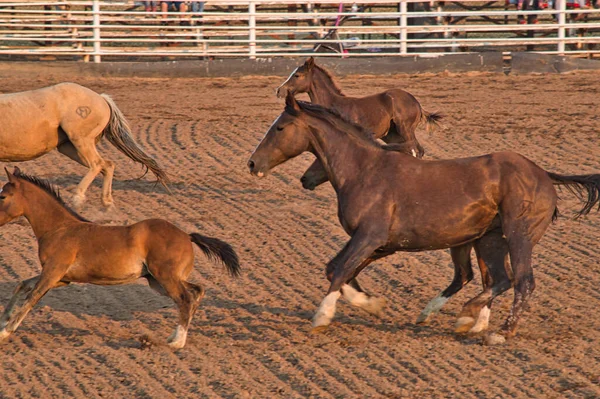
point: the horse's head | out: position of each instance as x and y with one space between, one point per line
11 199
299 80
286 138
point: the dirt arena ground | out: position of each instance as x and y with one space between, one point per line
250 338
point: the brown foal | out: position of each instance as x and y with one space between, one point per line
75 250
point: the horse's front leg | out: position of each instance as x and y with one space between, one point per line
23 288
343 269
314 176
49 279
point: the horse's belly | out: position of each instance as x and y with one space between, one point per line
105 273
27 143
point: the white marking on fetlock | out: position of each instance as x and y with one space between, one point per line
464 321
482 320
4 334
414 153
178 338
494 339
362 300
432 307
326 310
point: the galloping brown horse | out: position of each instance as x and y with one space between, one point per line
74 250
388 201
392 115
72 119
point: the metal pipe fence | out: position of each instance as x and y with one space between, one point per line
96 30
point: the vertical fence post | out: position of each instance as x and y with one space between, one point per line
96 25
403 26
562 20
252 27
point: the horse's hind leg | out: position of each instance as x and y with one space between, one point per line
492 256
463 273
85 153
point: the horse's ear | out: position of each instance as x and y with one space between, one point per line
290 103
11 177
309 63
16 171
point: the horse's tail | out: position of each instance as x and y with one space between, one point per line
431 119
585 187
118 133
218 250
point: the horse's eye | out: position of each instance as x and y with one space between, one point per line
296 76
279 128
2 197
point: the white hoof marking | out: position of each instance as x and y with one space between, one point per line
464 321
494 339
326 310
362 300
482 320
432 307
178 338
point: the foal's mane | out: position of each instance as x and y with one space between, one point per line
338 121
50 189
328 75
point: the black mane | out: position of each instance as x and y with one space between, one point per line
50 189
338 121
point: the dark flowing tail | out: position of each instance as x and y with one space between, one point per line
217 250
118 133
585 187
430 119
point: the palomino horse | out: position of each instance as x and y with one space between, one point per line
72 119
388 201
74 250
392 115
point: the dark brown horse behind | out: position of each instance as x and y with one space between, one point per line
392 115
500 204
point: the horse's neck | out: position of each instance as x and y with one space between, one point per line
343 156
45 214
323 91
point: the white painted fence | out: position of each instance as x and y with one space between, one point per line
123 29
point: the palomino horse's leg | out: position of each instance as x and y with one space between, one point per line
463 273
84 152
50 278
106 167
492 257
354 254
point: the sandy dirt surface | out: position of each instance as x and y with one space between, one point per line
250 337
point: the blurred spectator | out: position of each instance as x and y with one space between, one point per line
150 6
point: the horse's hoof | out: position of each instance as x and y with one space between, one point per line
318 329
4 334
375 306
494 339
422 319
176 344
464 324
78 200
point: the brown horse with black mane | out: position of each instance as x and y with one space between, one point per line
501 204
72 119
392 115
74 250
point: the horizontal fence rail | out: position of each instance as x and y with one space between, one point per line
94 30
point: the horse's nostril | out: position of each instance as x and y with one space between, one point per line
251 165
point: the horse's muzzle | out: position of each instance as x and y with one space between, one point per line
281 92
307 184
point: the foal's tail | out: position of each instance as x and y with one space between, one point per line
118 133
431 119
585 187
218 250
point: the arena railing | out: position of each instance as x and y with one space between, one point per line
119 30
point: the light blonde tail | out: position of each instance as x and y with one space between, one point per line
118 133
